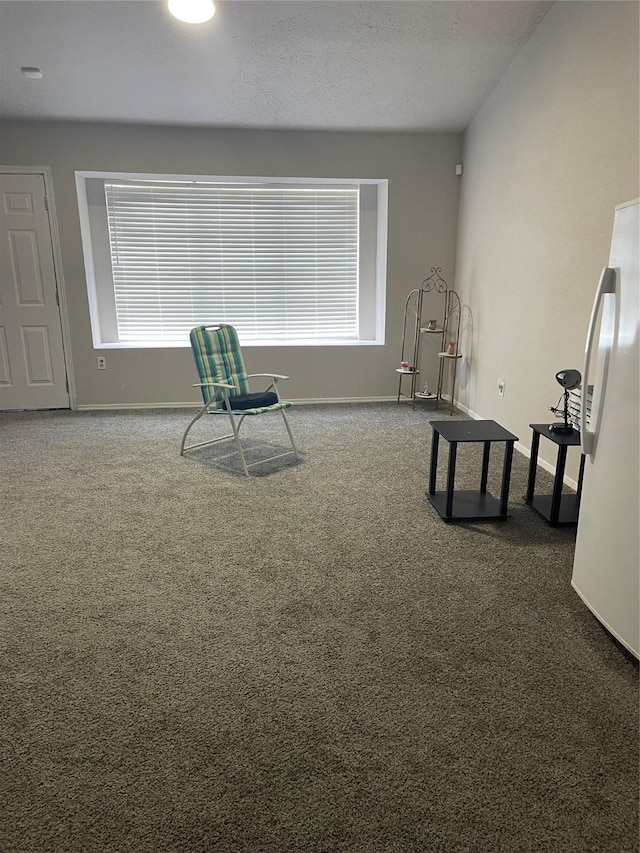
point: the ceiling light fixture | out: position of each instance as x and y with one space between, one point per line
31 72
192 11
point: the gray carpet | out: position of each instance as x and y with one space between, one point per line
307 660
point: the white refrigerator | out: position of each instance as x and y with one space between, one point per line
606 569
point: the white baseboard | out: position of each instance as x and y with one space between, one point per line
523 449
305 401
103 407
312 401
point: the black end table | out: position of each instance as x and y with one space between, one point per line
557 508
470 504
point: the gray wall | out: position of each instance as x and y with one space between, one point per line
423 207
546 159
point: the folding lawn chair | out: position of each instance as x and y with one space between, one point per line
225 388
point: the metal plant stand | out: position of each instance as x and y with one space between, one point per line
448 328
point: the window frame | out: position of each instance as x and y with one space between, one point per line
372 258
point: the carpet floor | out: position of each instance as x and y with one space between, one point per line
305 660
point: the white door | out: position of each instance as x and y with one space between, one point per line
32 366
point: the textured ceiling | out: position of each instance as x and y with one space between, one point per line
335 65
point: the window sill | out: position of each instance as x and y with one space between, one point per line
173 345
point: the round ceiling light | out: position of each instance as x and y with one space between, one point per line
192 11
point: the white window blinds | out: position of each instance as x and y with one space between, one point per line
280 263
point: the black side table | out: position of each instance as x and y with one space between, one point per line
470 504
556 508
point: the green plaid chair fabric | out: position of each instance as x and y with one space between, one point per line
224 384
218 358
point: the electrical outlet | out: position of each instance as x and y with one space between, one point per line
102 362
501 387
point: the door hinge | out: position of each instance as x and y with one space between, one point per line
66 384
46 203
57 297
